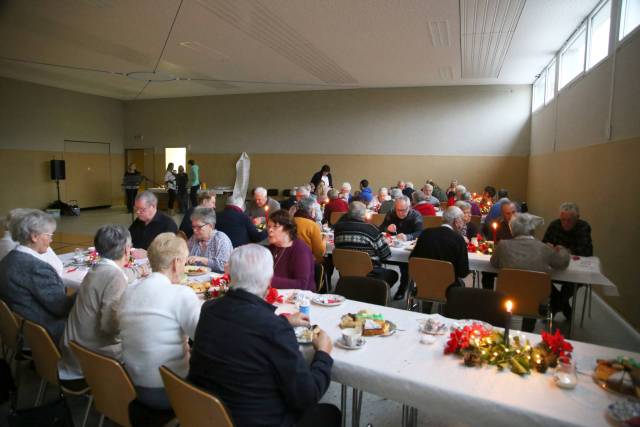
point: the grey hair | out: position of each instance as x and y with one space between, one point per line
307 205
461 188
525 224
429 186
333 193
409 184
467 196
304 190
463 205
148 198
357 210
14 216
403 198
111 241
346 185
206 215
570 207
395 193
235 201
384 190
418 196
260 191
26 224
451 214
251 269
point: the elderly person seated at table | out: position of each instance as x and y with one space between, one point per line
354 233
403 220
237 225
208 246
387 205
475 207
421 205
438 192
293 262
345 192
524 252
495 212
206 199
7 244
451 190
336 204
156 317
469 229
502 232
427 189
408 189
379 198
258 370
302 192
261 205
30 286
308 229
149 222
92 321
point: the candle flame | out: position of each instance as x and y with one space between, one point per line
494 225
326 200
509 305
266 208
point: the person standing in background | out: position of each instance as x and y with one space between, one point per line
194 181
324 174
131 183
170 183
182 179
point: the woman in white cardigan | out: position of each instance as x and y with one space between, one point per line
156 320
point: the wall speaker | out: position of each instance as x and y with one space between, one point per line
57 169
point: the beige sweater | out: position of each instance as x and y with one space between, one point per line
529 254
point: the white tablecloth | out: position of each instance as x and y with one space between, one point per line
401 368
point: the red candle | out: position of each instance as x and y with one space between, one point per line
509 305
495 228
266 213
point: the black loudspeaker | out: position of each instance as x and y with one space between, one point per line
57 169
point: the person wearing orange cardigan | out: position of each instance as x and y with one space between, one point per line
308 229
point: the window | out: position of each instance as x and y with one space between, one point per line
572 58
629 17
538 93
551 82
599 35
177 156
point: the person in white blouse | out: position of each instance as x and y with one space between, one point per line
156 318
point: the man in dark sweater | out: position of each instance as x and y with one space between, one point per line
257 370
237 225
149 222
352 232
508 210
445 243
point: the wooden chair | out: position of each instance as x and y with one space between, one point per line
335 217
193 406
473 303
477 220
110 384
431 221
432 278
9 333
272 192
377 219
529 290
320 278
45 358
364 289
352 263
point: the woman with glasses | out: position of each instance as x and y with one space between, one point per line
30 286
208 246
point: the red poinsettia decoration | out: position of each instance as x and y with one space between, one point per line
460 339
557 344
220 281
273 297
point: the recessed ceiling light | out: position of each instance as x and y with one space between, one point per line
151 76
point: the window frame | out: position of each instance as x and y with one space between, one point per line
582 29
590 18
553 91
620 39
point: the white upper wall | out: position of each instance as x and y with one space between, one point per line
36 117
469 120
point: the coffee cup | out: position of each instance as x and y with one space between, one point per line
351 336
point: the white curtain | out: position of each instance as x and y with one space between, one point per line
243 169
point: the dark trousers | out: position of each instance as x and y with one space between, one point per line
183 201
488 279
320 415
172 197
389 276
193 195
130 198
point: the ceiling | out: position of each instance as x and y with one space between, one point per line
214 47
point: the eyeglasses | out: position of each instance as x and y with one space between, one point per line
48 234
199 227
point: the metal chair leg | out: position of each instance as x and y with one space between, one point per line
343 404
101 420
41 390
404 416
86 412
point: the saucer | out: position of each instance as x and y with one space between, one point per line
361 342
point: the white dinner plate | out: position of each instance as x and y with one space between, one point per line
328 300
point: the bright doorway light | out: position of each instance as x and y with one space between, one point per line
177 156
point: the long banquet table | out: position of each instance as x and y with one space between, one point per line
401 368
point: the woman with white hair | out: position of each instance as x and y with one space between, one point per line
156 318
208 246
469 230
30 286
308 229
237 225
345 192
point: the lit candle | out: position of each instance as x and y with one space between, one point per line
266 212
495 229
509 305
326 200
368 216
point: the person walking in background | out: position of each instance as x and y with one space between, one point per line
131 183
170 183
194 181
182 179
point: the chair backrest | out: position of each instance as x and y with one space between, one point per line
431 221
272 192
377 219
352 263
319 276
432 278
286 192
9 327
110 384
476 219
474 303
335 217
193 407
363 289
43 350
527 289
